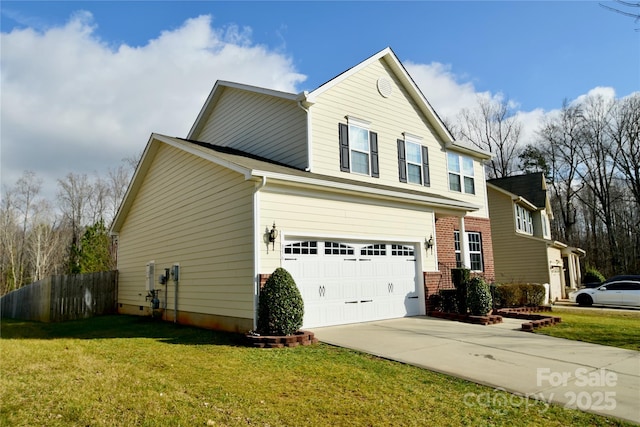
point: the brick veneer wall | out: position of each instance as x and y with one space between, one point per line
445 226
262 278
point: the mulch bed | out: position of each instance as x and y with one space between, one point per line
490 319
535 321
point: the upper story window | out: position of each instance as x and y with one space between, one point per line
461 173
358 148
524 221
413 161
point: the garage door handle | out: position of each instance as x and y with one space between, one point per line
416 297
351 259
291 259
351 302
366 300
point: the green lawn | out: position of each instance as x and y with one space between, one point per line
128 371
598 326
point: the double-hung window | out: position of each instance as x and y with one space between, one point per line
475 250
461 176
358 148
413 161
524 222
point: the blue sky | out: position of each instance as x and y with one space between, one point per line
534 53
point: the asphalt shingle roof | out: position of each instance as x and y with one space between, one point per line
529 186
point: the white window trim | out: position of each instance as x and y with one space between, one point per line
524 223
407 162
461 174
362 124
469 252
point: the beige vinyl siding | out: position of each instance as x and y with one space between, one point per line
192 212
259 124
358 96
517 258
334 217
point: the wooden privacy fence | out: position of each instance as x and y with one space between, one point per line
60 298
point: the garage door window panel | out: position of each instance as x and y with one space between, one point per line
374 250
302 248
333 248
401 250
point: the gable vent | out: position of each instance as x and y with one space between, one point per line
384 87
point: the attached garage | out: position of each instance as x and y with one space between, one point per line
349 282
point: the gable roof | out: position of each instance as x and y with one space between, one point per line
531 187
220 86
257 168
309 98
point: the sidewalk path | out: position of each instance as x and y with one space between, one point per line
595 378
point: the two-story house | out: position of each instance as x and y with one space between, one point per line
356 188
523 248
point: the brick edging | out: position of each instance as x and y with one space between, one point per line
280 341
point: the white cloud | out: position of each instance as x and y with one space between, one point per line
72 103
445 91
449 94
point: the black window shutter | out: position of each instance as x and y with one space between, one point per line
425 166
343 131
402 161
373 140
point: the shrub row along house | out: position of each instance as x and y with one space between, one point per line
356 188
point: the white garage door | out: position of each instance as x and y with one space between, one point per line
344 282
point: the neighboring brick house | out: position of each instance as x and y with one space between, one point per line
357 188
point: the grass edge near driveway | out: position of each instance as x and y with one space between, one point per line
614 328
122 370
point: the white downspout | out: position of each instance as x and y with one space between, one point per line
256 248
309 134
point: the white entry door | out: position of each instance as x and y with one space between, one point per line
345 282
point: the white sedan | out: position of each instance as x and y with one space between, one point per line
622 292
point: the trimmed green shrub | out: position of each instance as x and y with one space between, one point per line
460 278
280 305
592 275
449 300
479 297
533 295
435 302
519 295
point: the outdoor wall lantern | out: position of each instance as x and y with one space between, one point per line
428 244
273 235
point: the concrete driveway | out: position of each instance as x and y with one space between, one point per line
594 378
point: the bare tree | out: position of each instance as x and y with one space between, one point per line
45 243
560 137
598 169
493 126
626 8
117 182
625 133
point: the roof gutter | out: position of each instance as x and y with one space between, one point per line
375 192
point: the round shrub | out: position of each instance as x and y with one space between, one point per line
280 306
479 297
592 275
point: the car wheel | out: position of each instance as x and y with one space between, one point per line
584 300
